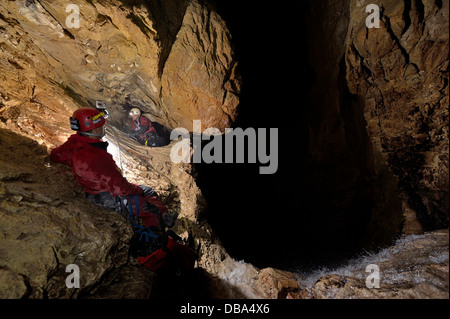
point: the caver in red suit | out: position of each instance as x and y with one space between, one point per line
94 169
92 166
143 130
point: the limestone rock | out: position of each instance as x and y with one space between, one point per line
278 284
46 224
131 281
400 74
380 94
172 59
416 267
351 185
201 71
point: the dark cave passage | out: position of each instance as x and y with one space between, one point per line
310 212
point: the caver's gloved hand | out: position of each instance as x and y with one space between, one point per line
134 133
148 191
170 218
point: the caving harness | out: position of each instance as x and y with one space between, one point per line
146 240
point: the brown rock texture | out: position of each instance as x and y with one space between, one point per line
377 131
355 192
416 267
201 71
278 284
378 122
173 59
399 72
119 55
46 224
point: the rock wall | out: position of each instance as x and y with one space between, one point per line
200 71
379 112
399 72
356 198
173 59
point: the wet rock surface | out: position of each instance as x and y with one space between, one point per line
415 267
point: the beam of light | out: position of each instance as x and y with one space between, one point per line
114 150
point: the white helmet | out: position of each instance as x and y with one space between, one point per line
135 111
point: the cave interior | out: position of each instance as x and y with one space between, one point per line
308 213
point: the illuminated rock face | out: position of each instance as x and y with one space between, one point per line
200 71
172 59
